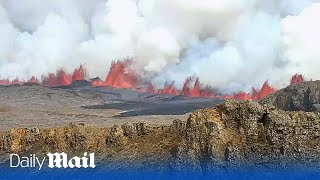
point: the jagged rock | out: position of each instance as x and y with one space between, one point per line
129 130
72 138
116 136
233 135
178 124
245 132
137 129
144 128
298 97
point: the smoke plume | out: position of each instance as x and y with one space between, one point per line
231 44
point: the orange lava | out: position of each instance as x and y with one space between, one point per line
265 90
168 89
79 73
61 78
193 88
297 79
241 96
6 82
121 75
33 80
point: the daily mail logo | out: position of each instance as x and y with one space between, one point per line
56 160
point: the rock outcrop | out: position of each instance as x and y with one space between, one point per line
235 134
246 134
298 97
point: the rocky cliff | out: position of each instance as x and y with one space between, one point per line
246 134
297 97
231 135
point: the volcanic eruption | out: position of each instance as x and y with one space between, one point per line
61 78
178 47
121 75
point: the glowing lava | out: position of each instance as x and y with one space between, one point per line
192 87
61 78
33 80
297 79
79 73
168 89
241 96
5 82
121 75
265 90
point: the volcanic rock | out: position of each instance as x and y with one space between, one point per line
78 83
297 97
233 135
96 79
45 107
135 129
116 136
31 84
246 133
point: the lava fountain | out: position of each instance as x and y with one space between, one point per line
122 75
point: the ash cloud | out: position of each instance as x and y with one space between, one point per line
231 44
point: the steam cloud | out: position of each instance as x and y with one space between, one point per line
230 44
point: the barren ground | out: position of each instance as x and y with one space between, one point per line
36 106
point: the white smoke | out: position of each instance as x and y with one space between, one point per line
230 44
301 37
